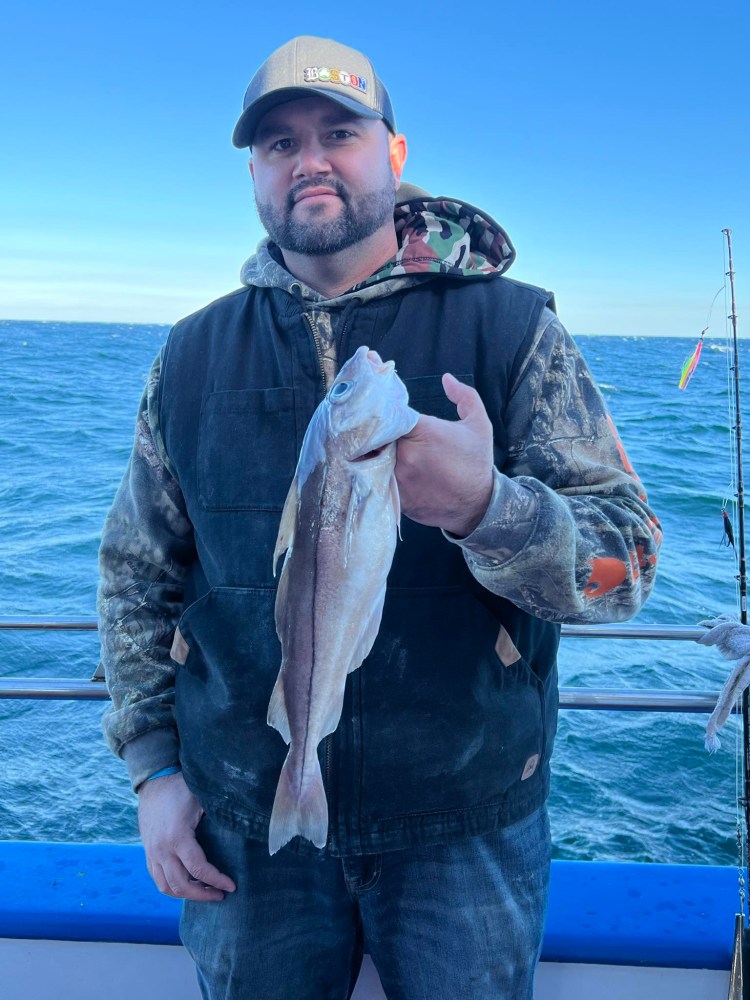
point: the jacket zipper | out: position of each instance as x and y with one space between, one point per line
340 342
318 348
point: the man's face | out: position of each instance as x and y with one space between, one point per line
323 176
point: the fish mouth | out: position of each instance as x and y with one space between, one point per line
379 366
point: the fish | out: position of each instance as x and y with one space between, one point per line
339 529
732 639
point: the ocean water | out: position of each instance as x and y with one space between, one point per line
627 786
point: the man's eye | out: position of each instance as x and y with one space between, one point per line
341 133
282 144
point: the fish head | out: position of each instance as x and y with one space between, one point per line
368 407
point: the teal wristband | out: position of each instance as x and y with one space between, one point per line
163 773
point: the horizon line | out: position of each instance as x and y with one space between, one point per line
624 336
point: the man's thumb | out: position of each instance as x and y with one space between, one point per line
466 398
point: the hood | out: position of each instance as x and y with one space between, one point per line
447 236
436 235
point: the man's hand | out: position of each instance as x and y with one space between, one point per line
444 468
168 814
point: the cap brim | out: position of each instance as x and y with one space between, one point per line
249 119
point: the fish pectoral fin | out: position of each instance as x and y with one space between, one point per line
277 714
288 525
357 497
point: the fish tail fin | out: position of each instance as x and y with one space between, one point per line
296 811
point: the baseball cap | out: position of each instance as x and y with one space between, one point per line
307 66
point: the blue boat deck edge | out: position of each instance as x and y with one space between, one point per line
672 916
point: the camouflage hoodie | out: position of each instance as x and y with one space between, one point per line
568 535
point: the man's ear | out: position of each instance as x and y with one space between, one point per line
397 153
250 168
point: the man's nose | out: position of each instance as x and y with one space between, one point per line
311 160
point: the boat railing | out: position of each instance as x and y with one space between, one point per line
613 699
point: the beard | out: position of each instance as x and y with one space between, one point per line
359 217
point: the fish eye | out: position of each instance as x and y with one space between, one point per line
340 390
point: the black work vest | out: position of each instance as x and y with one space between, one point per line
438 739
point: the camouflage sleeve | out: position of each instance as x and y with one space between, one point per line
147 547
568 535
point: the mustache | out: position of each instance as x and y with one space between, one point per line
329 182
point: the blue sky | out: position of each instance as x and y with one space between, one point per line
609 139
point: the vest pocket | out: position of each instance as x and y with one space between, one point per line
246 449
446 725
222 693
426 395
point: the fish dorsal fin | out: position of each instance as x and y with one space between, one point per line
360 490
281 619
285 537
277 713
396 501
330 722
369 633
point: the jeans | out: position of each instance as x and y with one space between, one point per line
460 921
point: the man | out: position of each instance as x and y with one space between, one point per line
520 514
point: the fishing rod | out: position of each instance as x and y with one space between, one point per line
742 574
740 495
739 981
